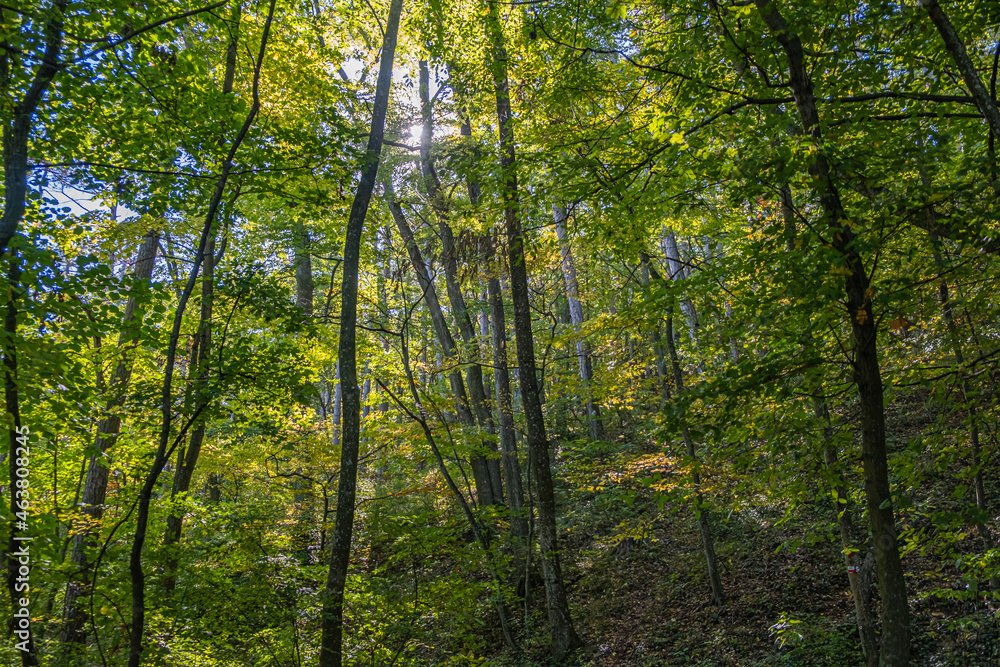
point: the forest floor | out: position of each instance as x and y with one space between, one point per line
639 591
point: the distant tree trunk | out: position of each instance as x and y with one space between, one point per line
505 407
895 614
576 315
95 486
701 509
480 469
564 637
675 265
331 650
337 412
187 458
164 449
449 260
858 572
661 365
303 272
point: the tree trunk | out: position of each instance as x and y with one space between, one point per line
677 272
17 126
480 469
338 410
857 574
331 650
95 486
564 637
449 260
303 271
583 355
661 365
707 541
164 450
187 458
895 615
505 407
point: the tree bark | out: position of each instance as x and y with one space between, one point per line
17 127
95 486
583 354
459 309
303 271
701 514
980 95
163 451
480 469
331 650
895 615
564 637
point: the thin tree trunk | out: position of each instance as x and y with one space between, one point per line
337 412
331 650
564 637
187 458
480 531
505 407
17 126
857 574
677 272
661 365
895 615
953 42
449 260
95 486
480 470
701 510
583 354
163 451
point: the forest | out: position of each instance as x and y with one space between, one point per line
500 333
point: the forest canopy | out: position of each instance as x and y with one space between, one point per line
469 332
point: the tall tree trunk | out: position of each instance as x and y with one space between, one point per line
895 615
661 365
564 637
480 469
858 572
505 407
583 354
187 458
449 260
17 126
701 510
331 650
95 486
164 450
